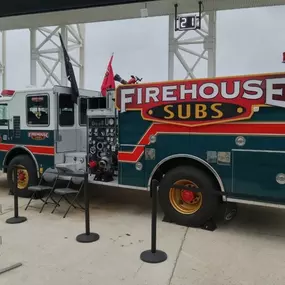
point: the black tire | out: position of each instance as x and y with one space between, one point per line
208 206
27 162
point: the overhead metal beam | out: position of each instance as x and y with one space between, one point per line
15 7
125 11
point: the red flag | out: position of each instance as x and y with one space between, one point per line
108 81
283 57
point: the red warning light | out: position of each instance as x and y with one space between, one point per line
6 92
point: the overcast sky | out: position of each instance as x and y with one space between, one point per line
140 47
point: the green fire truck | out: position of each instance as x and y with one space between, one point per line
224 134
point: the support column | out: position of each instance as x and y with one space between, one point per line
2 59
34 57
185 41
171 47
210 45
4 65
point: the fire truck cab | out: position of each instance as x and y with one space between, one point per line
40 128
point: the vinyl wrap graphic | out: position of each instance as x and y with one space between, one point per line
203 101
228 106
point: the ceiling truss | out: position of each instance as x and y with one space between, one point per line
193 48
47 56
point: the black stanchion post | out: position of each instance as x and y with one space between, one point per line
153 255
87 236
16 219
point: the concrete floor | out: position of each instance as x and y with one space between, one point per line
248 251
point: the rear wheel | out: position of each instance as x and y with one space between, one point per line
26 176
185 207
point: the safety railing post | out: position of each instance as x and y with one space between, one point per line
87 236
16 219
153 255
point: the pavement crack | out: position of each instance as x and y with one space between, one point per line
177 257
139 268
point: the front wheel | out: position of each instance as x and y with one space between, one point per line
26 176
185 207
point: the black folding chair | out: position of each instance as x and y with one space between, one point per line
47 183
74 188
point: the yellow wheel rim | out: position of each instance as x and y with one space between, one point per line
22 178
184 201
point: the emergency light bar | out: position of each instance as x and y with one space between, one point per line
7 92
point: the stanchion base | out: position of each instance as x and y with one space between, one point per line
16 220
87 238
150 257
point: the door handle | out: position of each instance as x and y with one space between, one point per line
58 137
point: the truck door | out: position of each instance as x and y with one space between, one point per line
66 125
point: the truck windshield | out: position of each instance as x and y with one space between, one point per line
3 114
